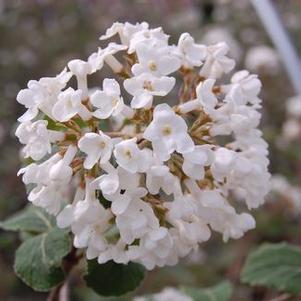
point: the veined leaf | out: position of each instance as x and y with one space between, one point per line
274 265
30 219
113 279
38 259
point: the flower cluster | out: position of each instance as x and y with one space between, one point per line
145 167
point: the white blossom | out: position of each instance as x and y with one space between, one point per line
36 138
192 54
145 86
41 95
98 147
70 104
158 61
168 133
132 177
130 157
195 161
217 62
108 101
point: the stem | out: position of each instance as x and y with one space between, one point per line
60 292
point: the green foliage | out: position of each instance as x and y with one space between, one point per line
30 219
219 292
113 279
39 258
274 265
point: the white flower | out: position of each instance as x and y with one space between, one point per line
70 104
244 89
136 221
115 179
130 157
215 210
155 248
144 86
41 95
217 62
192 54
215 34
195 161
158 61
147 183
61 171
121 201
223 160
156 36
81 69
183 215
98 147
47 193
158 176
108 101
66 217
205 98
89 221
168 133
125 31
36 138
96 60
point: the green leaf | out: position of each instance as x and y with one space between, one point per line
30 219
38 259
219 292
274 265
113 279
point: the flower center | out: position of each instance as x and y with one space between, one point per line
147 85
69 103
152 66
166 130
102 144
128 153
114 102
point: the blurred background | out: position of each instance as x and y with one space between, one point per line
38 37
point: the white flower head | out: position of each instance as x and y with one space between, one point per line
108 101
70 104
217 63
145 86
192 54
130 157
41 95
168 133
159 61
36 138
98 147
81 69
137 170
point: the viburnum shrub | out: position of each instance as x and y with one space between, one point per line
143 167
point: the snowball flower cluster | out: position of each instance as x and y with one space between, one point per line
144 167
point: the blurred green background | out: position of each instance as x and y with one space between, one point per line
38 37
